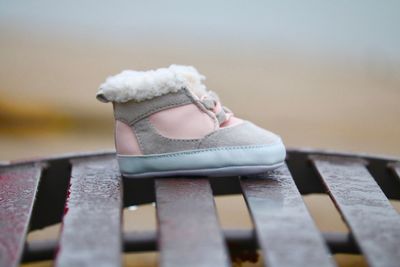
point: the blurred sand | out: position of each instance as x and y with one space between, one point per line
314 102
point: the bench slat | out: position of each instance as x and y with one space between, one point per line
18 187
91 232
374 223
396 169
286 233
189 232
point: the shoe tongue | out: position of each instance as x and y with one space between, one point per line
211 101
198 89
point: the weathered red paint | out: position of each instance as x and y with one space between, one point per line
67 197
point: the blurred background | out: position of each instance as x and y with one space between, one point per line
322 74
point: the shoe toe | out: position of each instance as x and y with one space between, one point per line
244 134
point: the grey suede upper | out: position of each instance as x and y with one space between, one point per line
132 111
150 141
242 134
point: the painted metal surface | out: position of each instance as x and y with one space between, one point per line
286 233
396 169
52 190
91 231
189 232
373 221
18 187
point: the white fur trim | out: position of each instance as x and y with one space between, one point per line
142 85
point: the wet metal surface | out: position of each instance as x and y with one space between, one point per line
18 186
189 232
374 223
285 231
91 232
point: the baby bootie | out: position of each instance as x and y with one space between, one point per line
167 123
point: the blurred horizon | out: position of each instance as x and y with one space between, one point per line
321 74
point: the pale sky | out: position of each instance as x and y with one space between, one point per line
361 28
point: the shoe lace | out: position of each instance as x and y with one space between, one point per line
212 103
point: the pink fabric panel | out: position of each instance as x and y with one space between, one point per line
125 140
183 122
231 122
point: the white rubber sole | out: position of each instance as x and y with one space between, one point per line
215 172
219 161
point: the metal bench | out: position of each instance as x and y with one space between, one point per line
86 193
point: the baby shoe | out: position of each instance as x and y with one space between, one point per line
167 123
